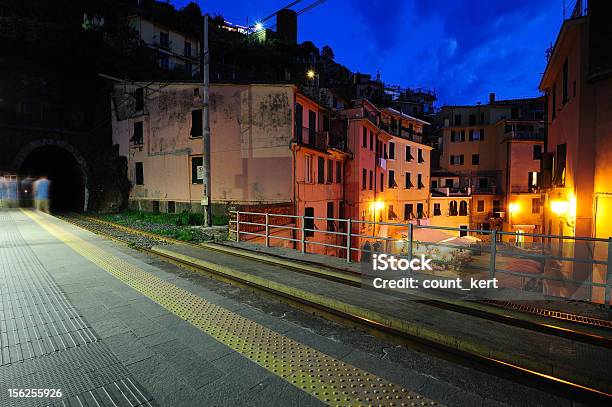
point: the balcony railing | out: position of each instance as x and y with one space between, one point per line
321 140
162 43
525 135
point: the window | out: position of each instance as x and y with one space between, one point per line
196 91
312 127
462 135
472 120
139 99
371 140
420 181
171 207
392 183
139 174
463 231
196 123
299 123
480 205
420 156
338 172
309 222
164 61
137 137
559 175
537 152
456 159
532 181
535 205
565 82
481 135
474 135
189 68
331 225
463 208
514 113
187 49
164 40
475 159
496 206
448 183
485 226
391 150
382 182
364 138
409 156
330 171
436 210
364 174
453 136
408 212
391 213
408 181
420 213
321 170
554 101
483 183
371 180
308 169
482 118
452 208
434 183
197 170
457 120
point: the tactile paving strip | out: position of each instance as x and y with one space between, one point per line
330 380
35 316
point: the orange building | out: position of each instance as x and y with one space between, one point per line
491 157
577 165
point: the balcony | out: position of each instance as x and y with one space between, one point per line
319 140
525 135
453 191
162 42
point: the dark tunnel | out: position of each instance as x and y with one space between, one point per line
67 192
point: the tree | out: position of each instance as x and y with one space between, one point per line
327 52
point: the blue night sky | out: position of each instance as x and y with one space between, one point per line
463 49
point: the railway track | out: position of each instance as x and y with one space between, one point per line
594 331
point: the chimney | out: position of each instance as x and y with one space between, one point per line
491 98
286 26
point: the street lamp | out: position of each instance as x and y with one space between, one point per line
258 26
310 74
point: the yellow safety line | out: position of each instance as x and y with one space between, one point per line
322 376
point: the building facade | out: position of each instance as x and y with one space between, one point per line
175 50
577 165
490 156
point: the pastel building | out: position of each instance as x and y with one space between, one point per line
271 150
490 158
577 163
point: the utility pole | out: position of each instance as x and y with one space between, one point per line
206 194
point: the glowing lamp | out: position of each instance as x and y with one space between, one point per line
379 205
258 26
559 208
514 207
310 74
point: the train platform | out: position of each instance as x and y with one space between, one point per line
86 321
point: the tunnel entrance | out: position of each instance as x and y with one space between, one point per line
59 165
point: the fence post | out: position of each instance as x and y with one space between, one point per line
493 253
410 235
238 226
348 240
267 230
303 237
608 292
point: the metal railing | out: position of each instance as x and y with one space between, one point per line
548 257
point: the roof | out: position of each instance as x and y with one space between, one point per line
404 115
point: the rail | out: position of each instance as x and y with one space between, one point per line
556 265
